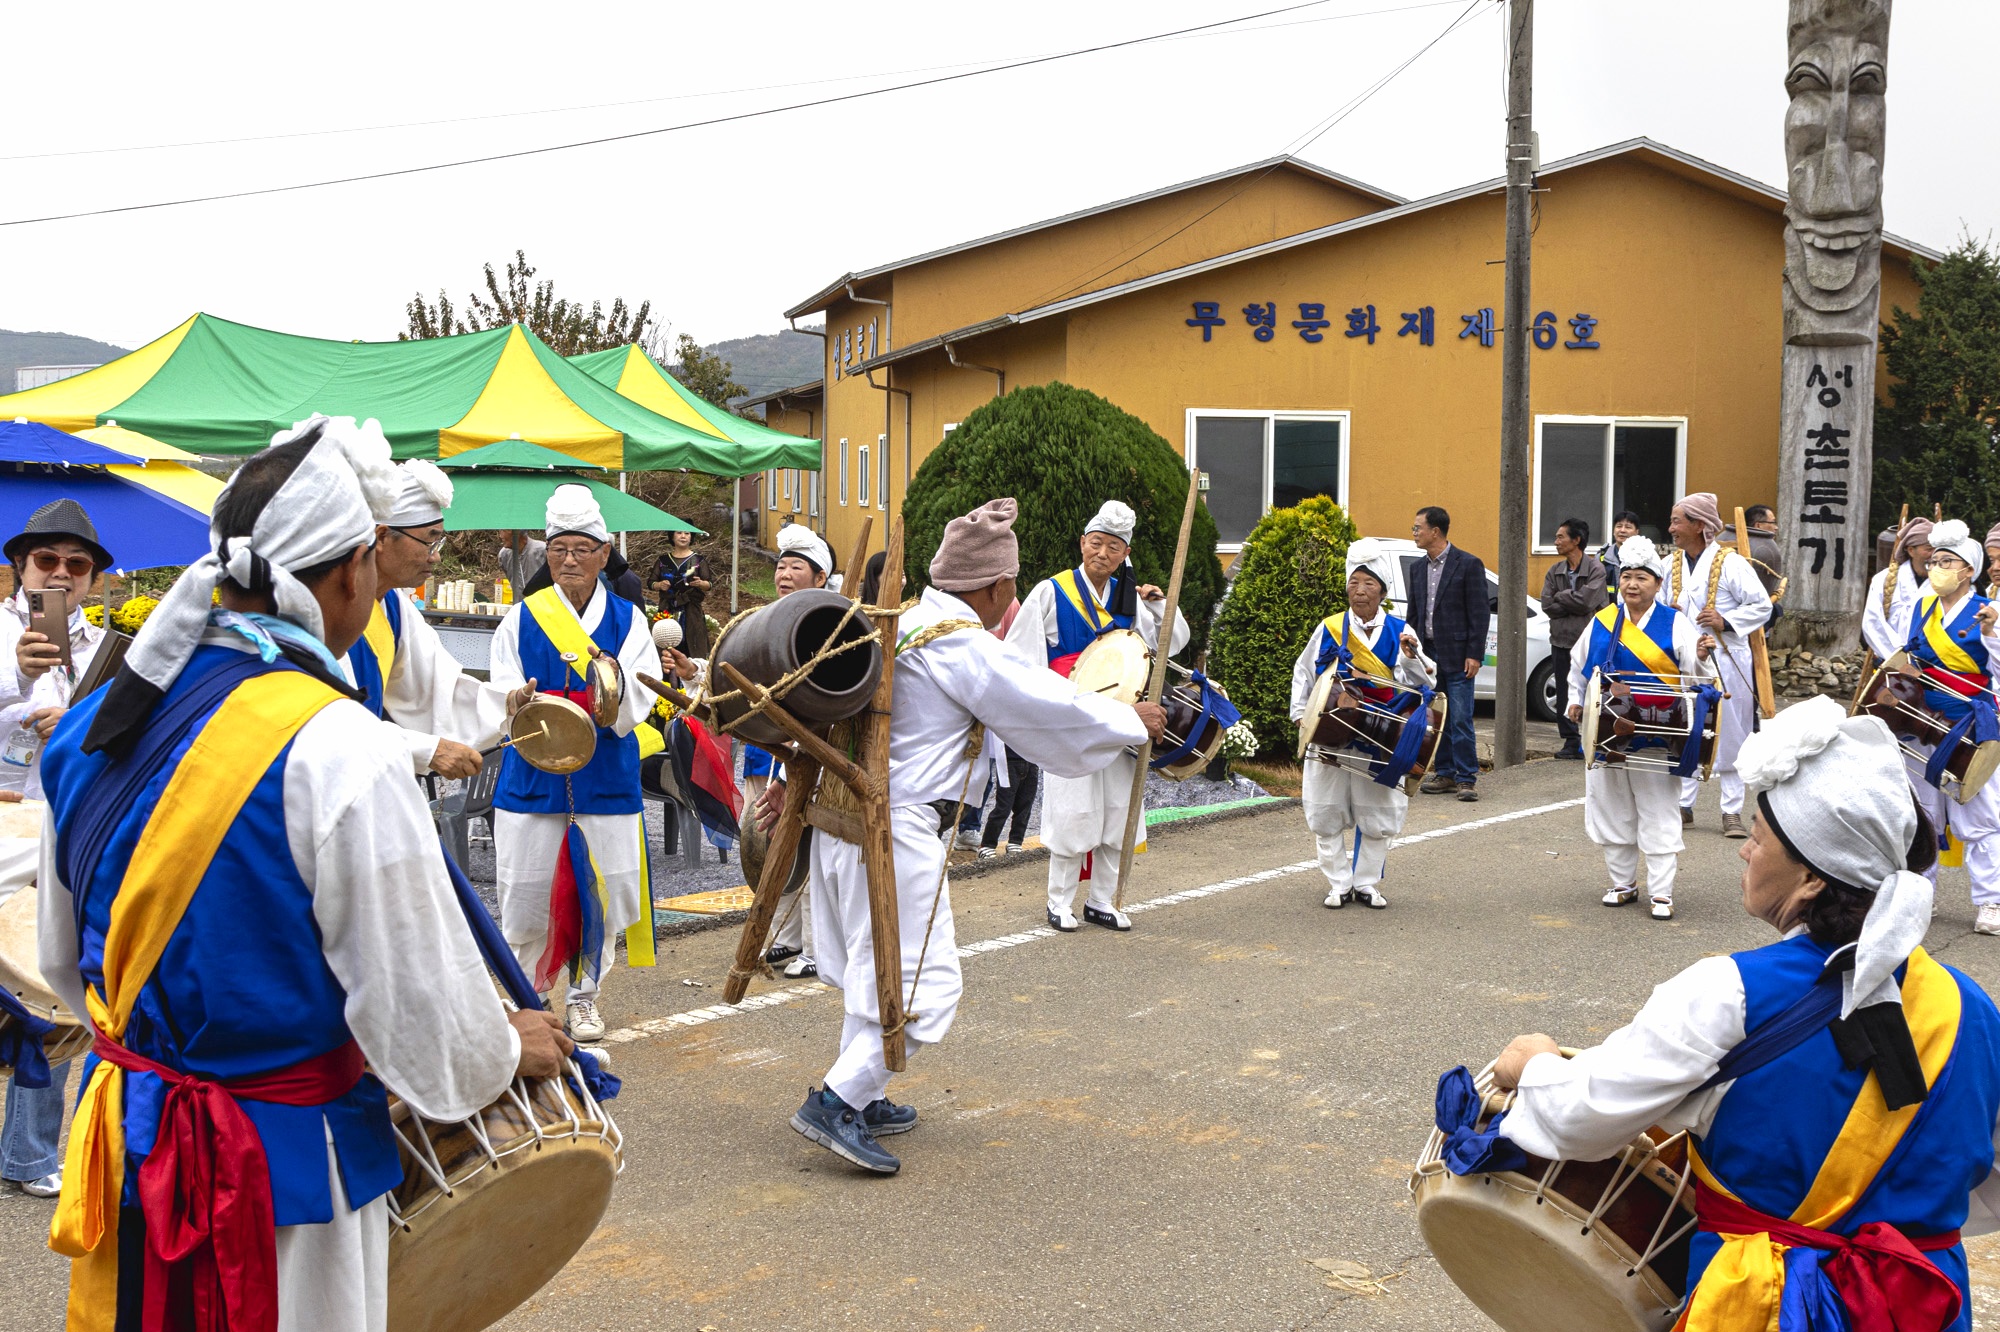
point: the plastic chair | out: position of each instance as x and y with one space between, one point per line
474 800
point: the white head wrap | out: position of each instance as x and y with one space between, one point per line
1636 552
800 540
666 633
1954 536
345 485
1836 788
574 509
1367 553
1114 519
423 497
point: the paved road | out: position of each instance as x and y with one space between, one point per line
1170 1124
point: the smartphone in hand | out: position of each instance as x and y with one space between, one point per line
48 615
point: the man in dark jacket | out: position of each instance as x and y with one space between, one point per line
1573 590
1449 609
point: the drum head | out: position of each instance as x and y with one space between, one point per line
1979 771
1527 1270
498 1239
1114 667
554 734
1316 704
1593 709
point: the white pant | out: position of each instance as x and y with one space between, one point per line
794 910
1632 812
1735 716
1976 823
1337 799
336 1273
525 847
844 935
1066 873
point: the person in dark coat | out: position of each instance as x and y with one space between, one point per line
1449 608
681 578
1573 590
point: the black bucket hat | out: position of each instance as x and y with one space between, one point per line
58 518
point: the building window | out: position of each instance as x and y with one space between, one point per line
786 473
1591 467
771 490
843 469
1258 461
812 493
882 471
861 476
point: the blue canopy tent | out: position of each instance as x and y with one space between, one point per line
23 441
142 528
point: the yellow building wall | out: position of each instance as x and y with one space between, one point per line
1683 278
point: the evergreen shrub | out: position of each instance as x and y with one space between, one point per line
1061 451
1291 575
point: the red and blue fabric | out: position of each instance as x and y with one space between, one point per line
577 905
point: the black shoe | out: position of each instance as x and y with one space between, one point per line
779 953
839 1127
1570 752
1438 784
1467 791
1111 918
885 1118
1687 816
1057 922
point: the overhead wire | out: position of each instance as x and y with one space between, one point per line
630 135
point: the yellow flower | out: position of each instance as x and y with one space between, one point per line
94 614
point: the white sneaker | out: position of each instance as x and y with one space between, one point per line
1989 920
1371 897
801 967
1663 908
968 839
48 1186
1336 899
584 1022
988 852
1617 897
1014 848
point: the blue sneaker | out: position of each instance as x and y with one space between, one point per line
839 1127
885 1117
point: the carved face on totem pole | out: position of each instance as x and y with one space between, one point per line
1833 154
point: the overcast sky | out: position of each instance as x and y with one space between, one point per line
724 227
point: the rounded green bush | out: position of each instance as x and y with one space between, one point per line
1291 575
1061 451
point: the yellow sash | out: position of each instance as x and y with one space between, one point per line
229 756
558 620
1365 660
1086 605
1949 654
381 641
1745 1284
1636 641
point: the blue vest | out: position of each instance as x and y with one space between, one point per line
1607 653
609 783
1777 1123
1388 647
243 987
1964 632
1077 630
371 675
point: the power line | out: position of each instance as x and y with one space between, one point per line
664 129
1298 145
979 66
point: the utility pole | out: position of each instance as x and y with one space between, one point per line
1510 693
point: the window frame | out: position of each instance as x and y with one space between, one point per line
1271 416
843 471
771 490
882 472
861 492
1600 522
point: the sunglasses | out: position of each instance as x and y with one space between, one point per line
78 566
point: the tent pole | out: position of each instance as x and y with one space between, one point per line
621 536
735 546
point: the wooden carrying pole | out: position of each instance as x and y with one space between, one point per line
1156 685
1760 653
878 843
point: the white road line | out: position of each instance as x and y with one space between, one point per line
716 1012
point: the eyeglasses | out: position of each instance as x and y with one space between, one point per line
432 546
78 566
573 554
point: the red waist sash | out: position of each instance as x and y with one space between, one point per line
206 1190
1063 665
1883 1277
1966 684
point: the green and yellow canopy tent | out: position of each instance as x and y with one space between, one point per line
633 374
506 486
216 387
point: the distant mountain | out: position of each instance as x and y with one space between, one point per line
772 361
19 349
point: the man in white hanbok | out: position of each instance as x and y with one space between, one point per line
1377 645
550 637
952 679
349 846
1085 816
446 716
1632 810
1885 629
1739 606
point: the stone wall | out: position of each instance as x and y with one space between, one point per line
1799 673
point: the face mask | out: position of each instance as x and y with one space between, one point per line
1944 581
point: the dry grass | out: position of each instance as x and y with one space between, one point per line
1278 776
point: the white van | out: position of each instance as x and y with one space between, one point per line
1398 561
